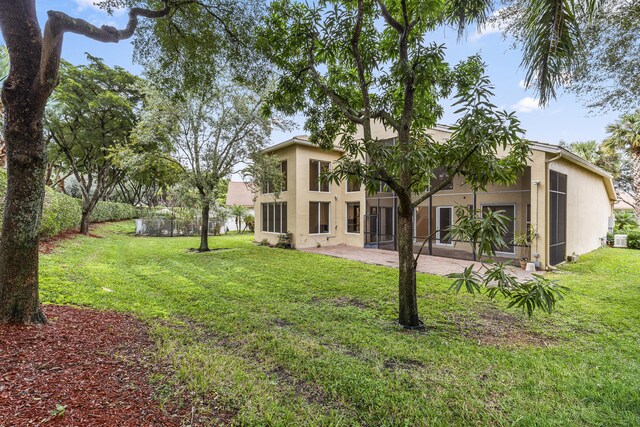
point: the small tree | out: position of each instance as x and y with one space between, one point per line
349 64
218 127
238 212
90 121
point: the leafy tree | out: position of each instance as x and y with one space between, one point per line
198 30
90 121
624 135
264 170
218 127
606 74
347 65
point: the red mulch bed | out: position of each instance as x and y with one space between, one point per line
91 361
47 245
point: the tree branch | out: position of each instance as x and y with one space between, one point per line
59 23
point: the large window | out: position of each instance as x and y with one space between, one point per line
319 217
274 217
510 212
316 168
353 217
353 184
267 187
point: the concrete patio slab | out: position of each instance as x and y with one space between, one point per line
426 263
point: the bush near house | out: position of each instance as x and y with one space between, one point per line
626 223
61 212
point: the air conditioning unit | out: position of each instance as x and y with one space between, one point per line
620 241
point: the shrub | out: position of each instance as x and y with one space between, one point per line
284 241
61 212
633 239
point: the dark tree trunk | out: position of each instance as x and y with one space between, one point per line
408 303
84 223
19 301
204 231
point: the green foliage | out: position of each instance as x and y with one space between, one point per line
485 231
89 124
61 212
633 238
625 219
249 221
308 340
111 211
284 241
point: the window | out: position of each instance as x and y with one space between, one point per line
274 217
440 175
319 217
267 187
510 212
444 220
353 217
353 184
316 168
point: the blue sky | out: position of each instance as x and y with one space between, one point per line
564 118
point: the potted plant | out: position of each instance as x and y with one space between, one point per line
524 240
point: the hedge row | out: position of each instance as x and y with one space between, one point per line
61 212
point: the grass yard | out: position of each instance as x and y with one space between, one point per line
277 337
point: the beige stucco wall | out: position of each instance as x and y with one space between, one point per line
588 203
588 207
298 197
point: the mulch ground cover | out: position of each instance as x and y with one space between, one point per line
84 368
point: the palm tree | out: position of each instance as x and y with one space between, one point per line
550 34
625 136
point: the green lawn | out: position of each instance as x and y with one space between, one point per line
280 337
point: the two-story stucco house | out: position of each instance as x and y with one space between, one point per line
566 200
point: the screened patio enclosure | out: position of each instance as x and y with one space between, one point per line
434 216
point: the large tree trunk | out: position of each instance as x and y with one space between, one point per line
19 301
635 165
408 303
84 223
204 231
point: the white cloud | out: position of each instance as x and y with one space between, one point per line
526 105
491 27
521 84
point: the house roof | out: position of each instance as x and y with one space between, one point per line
549 148
296 140
574 158
238 193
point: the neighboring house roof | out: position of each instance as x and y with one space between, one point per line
624 201
238 193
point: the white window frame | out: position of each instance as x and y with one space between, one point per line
438 208
272 212
346 218
319 202
515 219
319 172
